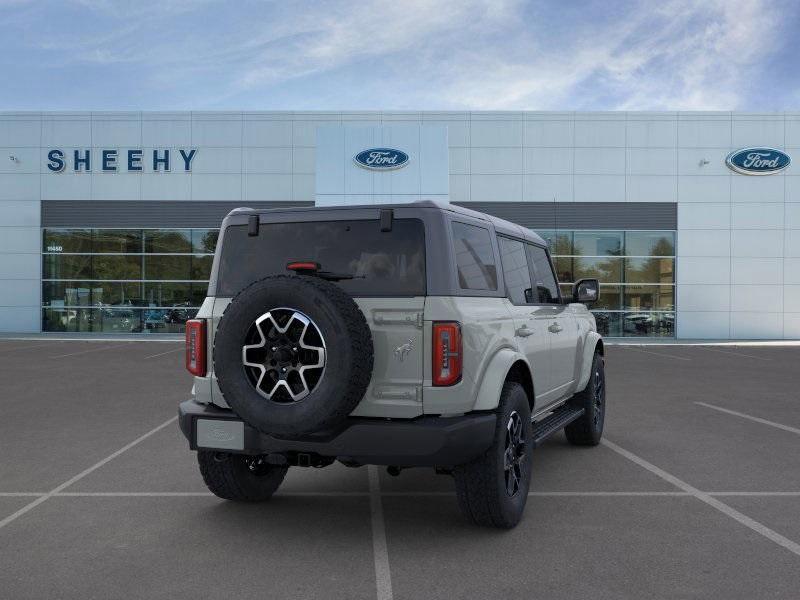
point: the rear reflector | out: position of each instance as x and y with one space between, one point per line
447 353
196 347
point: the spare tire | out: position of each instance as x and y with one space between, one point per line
293 355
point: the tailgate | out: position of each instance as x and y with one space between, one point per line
396 386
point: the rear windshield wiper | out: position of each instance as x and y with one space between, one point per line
330 276
308 267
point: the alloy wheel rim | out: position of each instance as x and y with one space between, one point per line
598 397
285 356
514 453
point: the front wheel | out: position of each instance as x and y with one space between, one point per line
588 429
238 476
492 489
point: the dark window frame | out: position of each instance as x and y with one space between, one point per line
532 267
527 262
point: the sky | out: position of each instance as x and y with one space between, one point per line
400 55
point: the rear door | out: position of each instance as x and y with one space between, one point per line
530 331
560 323
396 386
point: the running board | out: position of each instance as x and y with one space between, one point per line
558 419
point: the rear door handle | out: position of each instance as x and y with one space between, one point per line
555 328
523 331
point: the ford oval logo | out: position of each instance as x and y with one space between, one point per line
218 433
381 159
758 161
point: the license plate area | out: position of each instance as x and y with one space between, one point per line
219 434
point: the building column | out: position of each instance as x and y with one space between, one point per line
20 266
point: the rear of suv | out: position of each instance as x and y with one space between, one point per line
414 335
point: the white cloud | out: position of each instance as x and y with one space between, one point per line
707 66
685 56
460 54
322 39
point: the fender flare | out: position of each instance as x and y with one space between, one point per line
592 340
494 376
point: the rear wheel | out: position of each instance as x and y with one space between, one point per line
588 429
239 476
493 489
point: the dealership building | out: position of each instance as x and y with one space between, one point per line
690 220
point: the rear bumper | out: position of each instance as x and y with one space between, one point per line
425 441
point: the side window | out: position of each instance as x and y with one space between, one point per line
515 270
474 257
546 286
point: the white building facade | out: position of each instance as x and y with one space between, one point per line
108 220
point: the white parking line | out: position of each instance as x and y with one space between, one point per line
607 494
598 494
163 353
201 494
657 353
30 506
757 494
542 494
132 494
87 351
383 576
751 418
734 514
742 354
391 494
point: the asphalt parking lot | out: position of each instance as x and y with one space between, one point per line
695 493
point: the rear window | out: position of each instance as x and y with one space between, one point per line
474 257
389 263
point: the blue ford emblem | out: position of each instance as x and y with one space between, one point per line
381 159
758 161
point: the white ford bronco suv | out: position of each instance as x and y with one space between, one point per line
405 335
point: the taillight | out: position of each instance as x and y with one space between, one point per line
196 347
300 266
447 354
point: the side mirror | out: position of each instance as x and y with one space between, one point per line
586 291
529 295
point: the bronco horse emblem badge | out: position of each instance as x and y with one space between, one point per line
402 351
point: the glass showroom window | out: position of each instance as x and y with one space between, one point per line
124 280
636 270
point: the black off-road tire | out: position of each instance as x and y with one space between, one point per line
239 477
588 429
348 355
481 485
